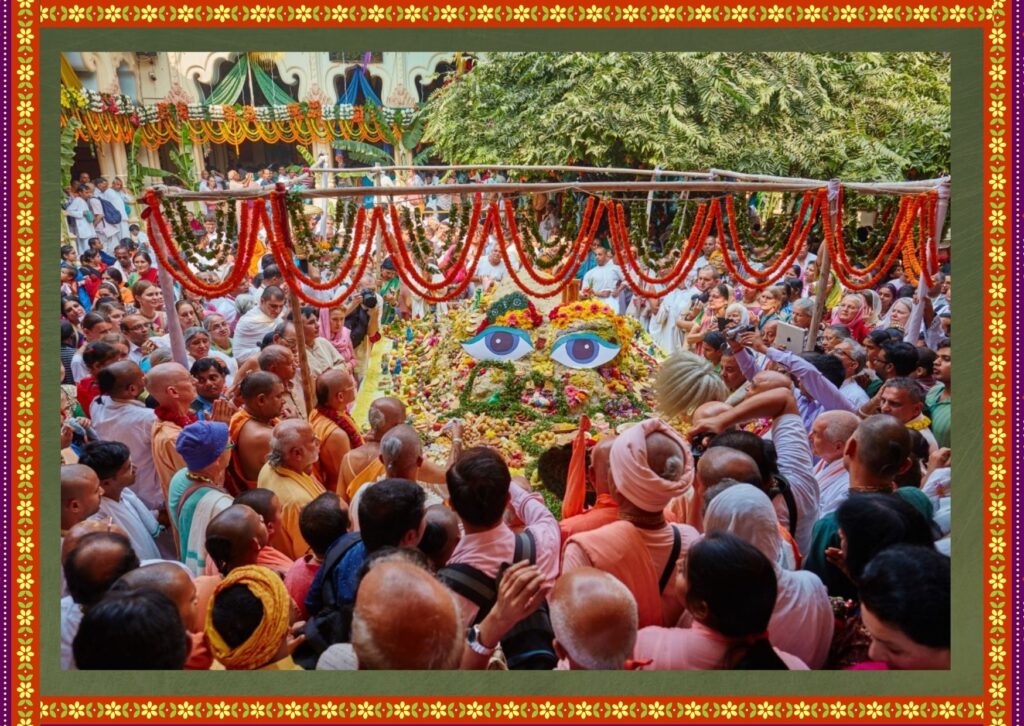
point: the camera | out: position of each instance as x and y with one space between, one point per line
699 444
699 297
369 298
739 330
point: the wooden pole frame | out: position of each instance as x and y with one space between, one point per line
824 268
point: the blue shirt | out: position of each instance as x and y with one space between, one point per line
345 578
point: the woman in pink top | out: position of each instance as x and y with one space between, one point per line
729 588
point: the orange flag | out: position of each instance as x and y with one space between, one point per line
576 482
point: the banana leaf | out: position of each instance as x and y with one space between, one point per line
364 153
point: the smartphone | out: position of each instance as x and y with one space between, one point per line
722 323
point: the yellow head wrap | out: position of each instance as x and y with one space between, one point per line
261 647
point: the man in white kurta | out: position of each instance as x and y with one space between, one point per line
604 280
255 324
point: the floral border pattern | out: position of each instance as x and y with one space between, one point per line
27 708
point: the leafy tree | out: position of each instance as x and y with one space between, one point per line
859 116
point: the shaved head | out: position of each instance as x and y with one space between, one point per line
722 462
594 617
882 446
166 381
96 563
80 494
167 578
384 414
401 451
86 526
665 457
330 383
404 619
235 536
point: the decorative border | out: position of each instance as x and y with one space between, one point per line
20 563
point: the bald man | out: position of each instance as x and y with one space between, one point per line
174 390
362 465
119 415
605 509
279 360
594 617
80 495
251 427
235 537
404 619
97 561
650 466
294 449
876 453
828 436
337 432
401 453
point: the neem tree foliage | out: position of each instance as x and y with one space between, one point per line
858 116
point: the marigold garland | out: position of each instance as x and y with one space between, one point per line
687 257
580 248
158 231
407 269
888 251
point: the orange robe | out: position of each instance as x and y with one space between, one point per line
605 511
294 489
234 479
166 458
323 427
370 473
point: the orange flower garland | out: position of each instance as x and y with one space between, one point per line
399 251
580 249
895 237
902 227
160 233
687 257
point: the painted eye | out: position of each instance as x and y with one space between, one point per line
584 350
498 343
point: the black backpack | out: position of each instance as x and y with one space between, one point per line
529 645
333 622
110 213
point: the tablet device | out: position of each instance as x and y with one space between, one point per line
789 337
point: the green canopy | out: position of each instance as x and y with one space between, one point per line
230 87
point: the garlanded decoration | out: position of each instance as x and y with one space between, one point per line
514 311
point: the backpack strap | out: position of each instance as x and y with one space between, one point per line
472 584
677 545
334 556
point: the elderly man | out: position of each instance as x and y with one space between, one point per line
854 358
294 449
174 390
362 464
401 452
828 437
279 360
904 399
255 324
650 465
136 329
594 617
337 432
263 396
404 619
120 416
90 568
875 455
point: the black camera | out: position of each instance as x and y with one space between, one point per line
699 444
699 297
369 298
739 330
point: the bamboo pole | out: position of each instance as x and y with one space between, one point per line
940 215
824 268
174 331
529 167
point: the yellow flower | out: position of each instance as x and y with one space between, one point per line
630 14
667 13
25 108
292 710
776 13
25 327
112 710
449 14
149 710
25 509
365 709
997 108
582 710
693 710
997 471
885 13
24 181
221 710
475 710
620 710
25 690
25 545
874 709
740 13
801 710
150 13
547 710
911 710
25 146
222 13
997 399
186 14
958 14
703 13
25 254
997 145
997 327
411 14
76 710
655 710
765 710
997 691
922 13
997 73
997 581
485 13
997 36
25 36
521 13
997 509
511 710
997 618
947 710
25 399
376 13
25 72
402 710
595 14
730 710
76 14
25 218
997 437
848 13
44 14
304 13
259 14
184 710
998 255
25 618
997 290
339 14
438 710
25 471
837 710
997 654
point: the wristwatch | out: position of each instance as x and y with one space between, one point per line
473 639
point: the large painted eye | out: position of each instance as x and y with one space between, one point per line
583 350
499 343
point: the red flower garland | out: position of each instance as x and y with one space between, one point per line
580 248
399 251
629 264
902 227
840 259
160 233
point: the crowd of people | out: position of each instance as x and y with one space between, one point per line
212 518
